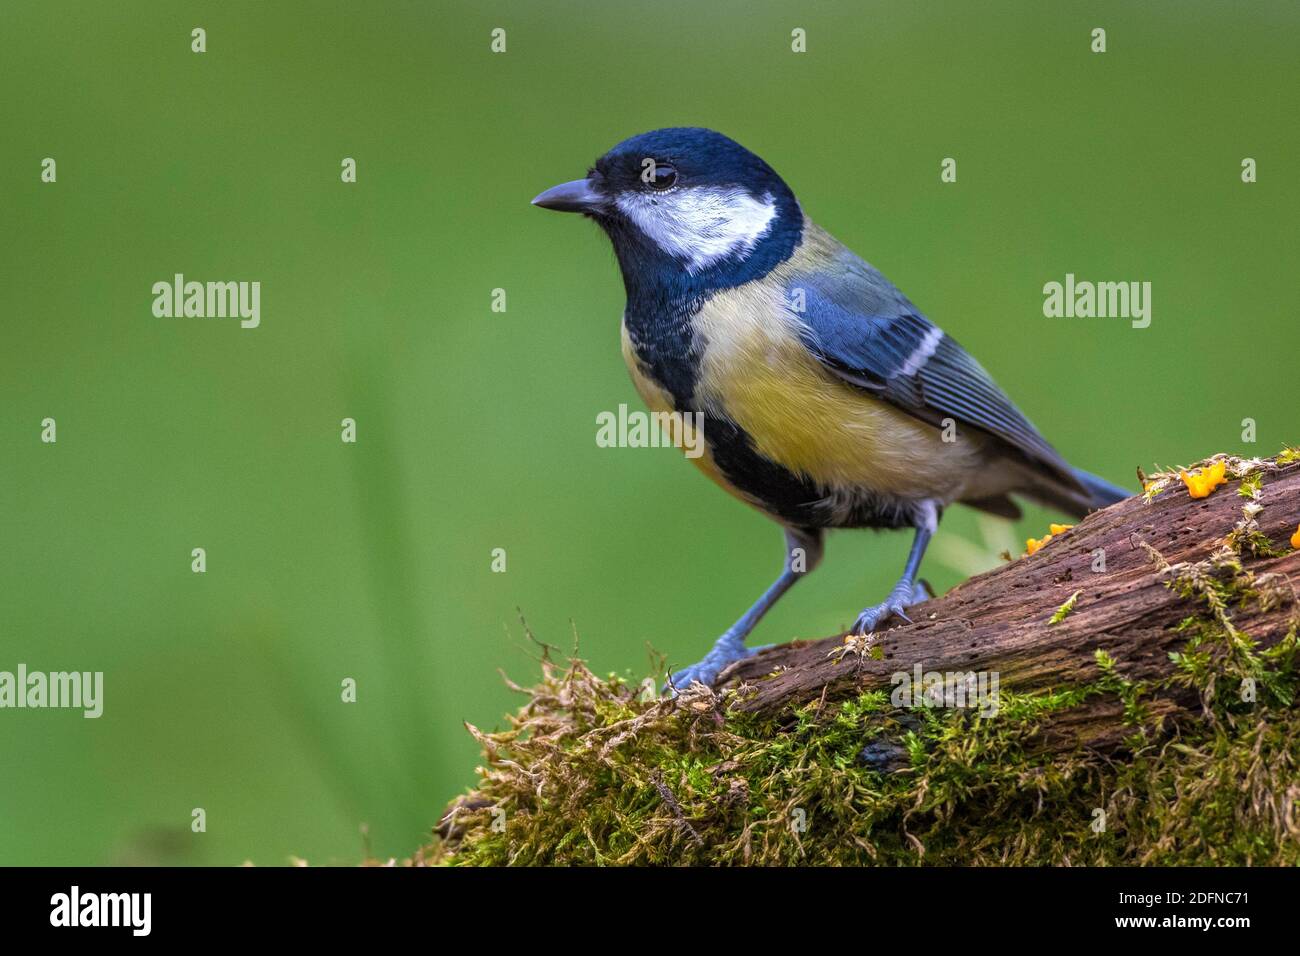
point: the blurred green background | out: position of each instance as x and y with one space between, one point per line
476 430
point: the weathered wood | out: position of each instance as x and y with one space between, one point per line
999 621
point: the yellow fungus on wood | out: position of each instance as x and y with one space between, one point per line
1204 481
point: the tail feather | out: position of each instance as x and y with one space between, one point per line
1098 493
1102 491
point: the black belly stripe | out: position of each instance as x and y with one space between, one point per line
790 497
665 346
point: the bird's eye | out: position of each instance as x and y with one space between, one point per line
665 177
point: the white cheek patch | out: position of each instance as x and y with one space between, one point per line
700 224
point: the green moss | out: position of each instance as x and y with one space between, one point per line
591 774
1251 485
1065 609
595 771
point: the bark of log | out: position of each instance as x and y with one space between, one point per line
999 621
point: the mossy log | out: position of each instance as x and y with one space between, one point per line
1127 573
1148 664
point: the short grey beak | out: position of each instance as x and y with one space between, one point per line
577 196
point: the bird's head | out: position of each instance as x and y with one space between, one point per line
686 206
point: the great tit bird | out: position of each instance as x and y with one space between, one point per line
826 399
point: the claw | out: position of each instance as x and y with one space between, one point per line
869 619
893 606
902 597
726 651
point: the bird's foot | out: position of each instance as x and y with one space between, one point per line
725 651
902 597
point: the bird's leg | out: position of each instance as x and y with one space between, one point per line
803 551
906 592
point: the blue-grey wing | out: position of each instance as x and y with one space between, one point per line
866 332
